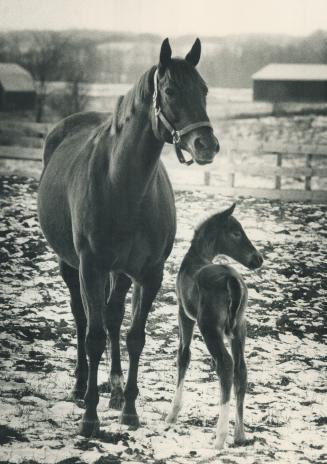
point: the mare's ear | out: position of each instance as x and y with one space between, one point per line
165 55
229 211
193 56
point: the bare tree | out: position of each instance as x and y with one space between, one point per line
42 59
76 74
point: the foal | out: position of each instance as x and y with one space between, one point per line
215 296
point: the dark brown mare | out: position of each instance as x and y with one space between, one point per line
107 209
215 296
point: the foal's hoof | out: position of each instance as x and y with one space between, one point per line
220 441
171 418
242 442
116 401
130 419
89 428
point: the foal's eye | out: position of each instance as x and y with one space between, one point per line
170 92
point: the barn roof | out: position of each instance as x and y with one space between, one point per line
14 78
292 72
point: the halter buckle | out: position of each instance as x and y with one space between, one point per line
176 137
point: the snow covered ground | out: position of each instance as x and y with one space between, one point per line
286 347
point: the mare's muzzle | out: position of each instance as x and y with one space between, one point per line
202 145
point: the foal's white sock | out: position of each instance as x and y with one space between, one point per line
222 426
176 403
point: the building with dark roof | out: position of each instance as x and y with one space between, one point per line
17 91
291 82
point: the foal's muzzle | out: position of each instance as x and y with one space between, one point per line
256 261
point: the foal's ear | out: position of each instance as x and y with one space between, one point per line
229 211
165 54
193 56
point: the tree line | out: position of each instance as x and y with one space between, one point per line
80 56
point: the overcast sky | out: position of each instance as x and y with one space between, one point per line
168 17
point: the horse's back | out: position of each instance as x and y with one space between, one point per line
218 283
70 126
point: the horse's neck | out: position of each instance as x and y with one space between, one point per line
195 259
202 251
135 157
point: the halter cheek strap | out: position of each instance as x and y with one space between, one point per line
175 134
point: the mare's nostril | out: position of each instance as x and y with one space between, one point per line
217 148
198 144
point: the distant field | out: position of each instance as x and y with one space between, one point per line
222 102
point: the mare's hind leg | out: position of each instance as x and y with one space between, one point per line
186 327
119 286
71 278
143 297
214 339
240 380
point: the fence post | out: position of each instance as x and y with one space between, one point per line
278 179
231 163
207 177
308 160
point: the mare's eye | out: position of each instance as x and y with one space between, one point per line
236 234
170 92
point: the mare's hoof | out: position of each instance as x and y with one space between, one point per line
89 428
130 419
116 401
77 397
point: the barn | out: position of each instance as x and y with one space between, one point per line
17 91
291 83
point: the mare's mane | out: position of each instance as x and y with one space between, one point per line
140 93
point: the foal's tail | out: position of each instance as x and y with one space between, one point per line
221 288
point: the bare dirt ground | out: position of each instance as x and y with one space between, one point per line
286 351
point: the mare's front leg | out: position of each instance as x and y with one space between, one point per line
115 308
186 326
92 281
143 297
240 380
214 339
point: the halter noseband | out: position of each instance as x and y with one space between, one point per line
175 134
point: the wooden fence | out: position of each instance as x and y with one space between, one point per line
304 152
29 141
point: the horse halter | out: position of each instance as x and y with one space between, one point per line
175 134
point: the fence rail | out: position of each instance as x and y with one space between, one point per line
307 152
28 149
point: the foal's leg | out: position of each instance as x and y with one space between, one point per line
143 297
214 339
70 276
240 380
186 327
119 286
92 281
